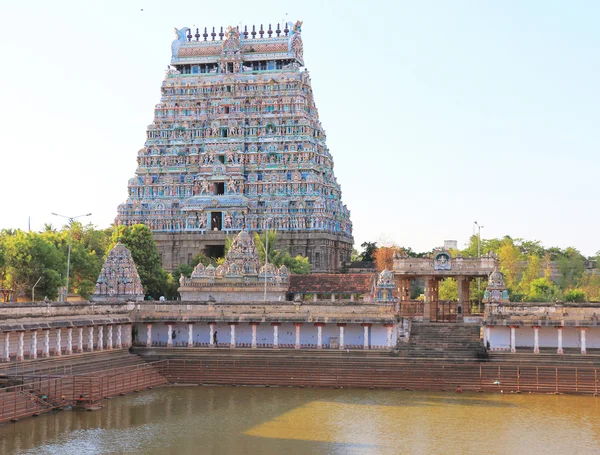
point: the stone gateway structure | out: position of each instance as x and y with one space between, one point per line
236 143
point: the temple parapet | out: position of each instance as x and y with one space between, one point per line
543 314
237 46
443 264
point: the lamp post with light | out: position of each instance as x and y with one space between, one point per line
479 227
71 220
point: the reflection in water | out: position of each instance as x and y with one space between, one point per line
290 421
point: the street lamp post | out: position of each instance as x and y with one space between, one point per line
266 256
479 227
71 220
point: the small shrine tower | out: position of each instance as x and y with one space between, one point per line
119 279
496 291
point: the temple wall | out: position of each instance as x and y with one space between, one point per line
548 337
353 334
204 294
333 249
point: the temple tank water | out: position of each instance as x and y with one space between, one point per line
231 420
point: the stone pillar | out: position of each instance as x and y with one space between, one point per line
80 342
404 290
100 337
536 339
212 334
7 346
46 343
119 337
190 335
342 325
485 336
21 346
513 338
464 294
298 325
583 347
169 335
319 335
389 328
33 353
254 324
58 342
431 299
128 341
91 338
109 337
560 346
275 334
232 334
366 335
149 335
488 331
70 340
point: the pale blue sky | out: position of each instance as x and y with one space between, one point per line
438 113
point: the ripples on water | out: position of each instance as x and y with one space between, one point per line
231 420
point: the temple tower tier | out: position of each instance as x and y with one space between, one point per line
236 144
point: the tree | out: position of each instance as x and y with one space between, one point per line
542 290
590 284
28 257
575 295
571 266
448 290
277 257
187 269
138 238
531 273
384 257
508 254
368 250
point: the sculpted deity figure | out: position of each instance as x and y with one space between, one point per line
180 38
204 187
228 220
232 186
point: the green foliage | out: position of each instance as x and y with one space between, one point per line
368 250
277 257
448 290
416 292
298 265
575 295
138 238
408 251
531 273
27 257
187 269
542 290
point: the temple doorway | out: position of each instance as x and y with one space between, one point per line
215 251
216 221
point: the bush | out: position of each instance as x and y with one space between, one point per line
574 295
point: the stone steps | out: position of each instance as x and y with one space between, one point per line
441 340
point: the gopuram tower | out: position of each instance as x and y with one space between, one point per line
236 143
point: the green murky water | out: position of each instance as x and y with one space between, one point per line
232 420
